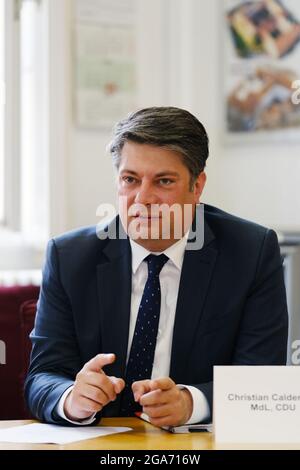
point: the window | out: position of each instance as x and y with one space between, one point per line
34 122
9 116
24 206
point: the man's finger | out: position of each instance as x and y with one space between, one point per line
97 395
159 411
165 383
89 405
99 380
118 384
156 397
99 361
140 387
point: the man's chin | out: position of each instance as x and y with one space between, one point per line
145 230
158 245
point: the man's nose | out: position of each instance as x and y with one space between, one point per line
146 194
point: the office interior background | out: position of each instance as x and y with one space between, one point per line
55 171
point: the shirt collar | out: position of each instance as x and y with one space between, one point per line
175 253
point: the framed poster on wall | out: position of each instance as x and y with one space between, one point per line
262 69
104 61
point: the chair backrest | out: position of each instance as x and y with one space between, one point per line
13 329
27 317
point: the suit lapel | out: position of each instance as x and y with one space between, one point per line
197 270
114 292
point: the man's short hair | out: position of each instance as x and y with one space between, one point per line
168 127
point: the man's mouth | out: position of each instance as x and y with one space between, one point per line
146 217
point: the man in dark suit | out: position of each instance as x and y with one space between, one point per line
138 321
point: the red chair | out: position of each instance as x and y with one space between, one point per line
27 316
15 325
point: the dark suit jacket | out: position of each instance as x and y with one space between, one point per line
231 309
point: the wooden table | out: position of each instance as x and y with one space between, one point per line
144 436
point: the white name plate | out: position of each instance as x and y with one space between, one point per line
257 404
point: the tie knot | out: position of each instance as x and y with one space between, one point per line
156 263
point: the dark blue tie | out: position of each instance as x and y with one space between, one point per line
140 362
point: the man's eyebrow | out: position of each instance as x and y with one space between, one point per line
157 175
167 173
126 170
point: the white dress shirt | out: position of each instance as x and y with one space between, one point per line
169 282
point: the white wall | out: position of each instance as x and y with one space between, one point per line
179 52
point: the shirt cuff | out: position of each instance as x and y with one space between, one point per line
60 410
201 411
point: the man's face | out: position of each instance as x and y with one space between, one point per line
148 177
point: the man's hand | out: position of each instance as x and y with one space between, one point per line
93 389
163 401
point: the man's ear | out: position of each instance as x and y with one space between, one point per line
199 185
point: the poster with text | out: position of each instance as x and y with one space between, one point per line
104 61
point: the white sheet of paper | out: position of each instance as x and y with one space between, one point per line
39 433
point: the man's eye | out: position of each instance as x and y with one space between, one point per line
165 181
128 179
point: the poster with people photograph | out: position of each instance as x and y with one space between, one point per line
262 68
